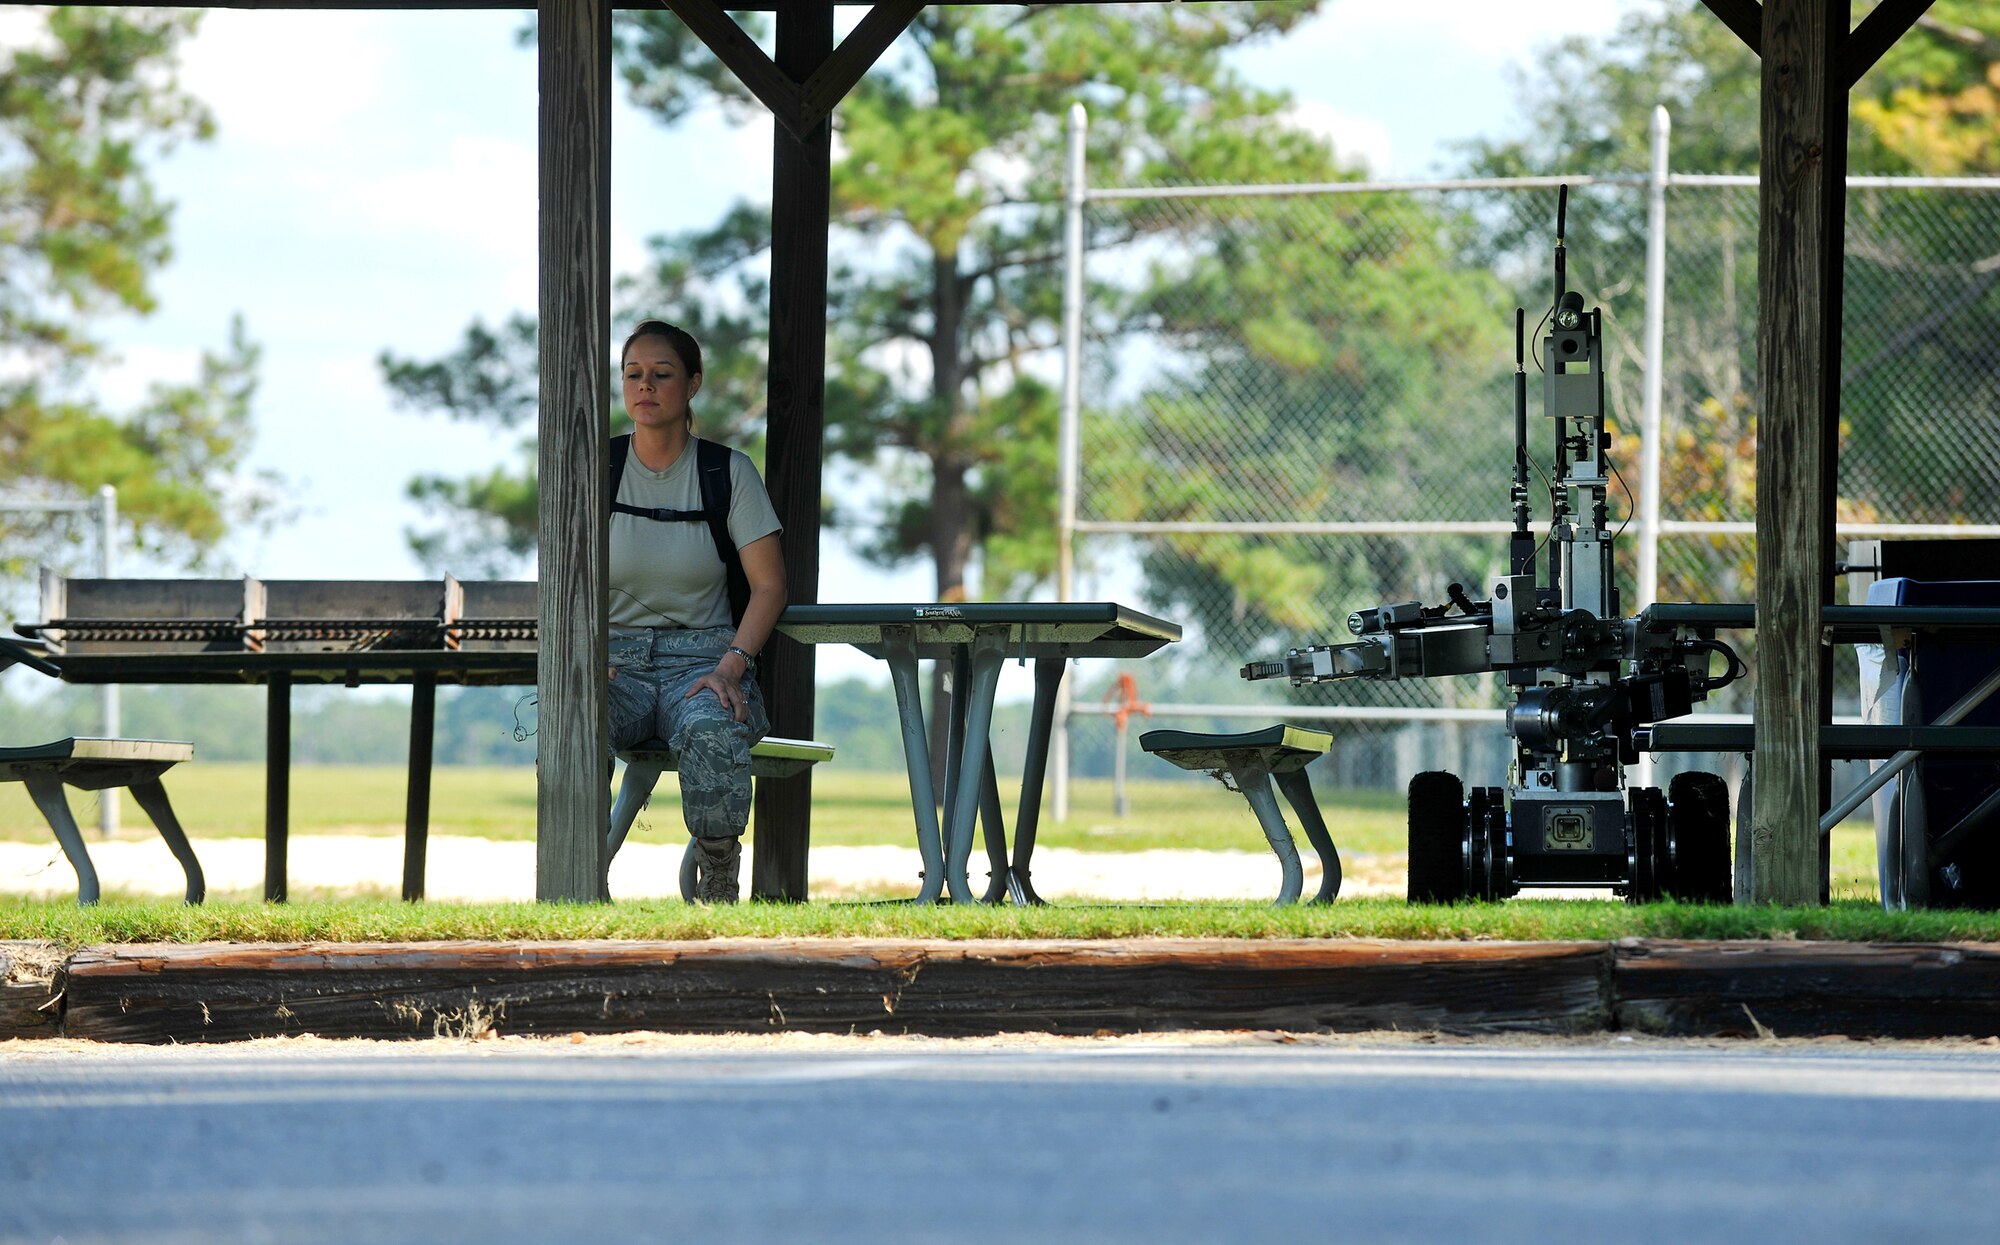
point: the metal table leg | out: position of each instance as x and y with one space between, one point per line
1255 784
153 798
277 785
633 792
1902 760
958 685
417 810
46 790
984 657
690 875
1049 673
995 831
1298 793
900 647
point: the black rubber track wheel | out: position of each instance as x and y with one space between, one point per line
1496 802
1698 819
1437 838
1486 843
1649 834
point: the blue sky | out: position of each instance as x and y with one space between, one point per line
372 186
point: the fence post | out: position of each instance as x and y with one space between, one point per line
1655 347
1069 439
1652 421
107 693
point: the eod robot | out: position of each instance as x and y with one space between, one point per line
1583 677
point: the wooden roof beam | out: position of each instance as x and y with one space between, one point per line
799 107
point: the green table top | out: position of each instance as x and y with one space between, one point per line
1033 629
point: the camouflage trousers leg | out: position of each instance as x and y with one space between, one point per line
649 700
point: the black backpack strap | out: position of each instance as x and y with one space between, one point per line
620 447
712 461
712 471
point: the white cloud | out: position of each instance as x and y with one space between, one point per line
124 380
1495 29
277 77
1355 139
24 27
481 191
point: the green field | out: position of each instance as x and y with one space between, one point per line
224 800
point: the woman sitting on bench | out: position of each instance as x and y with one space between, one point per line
697 584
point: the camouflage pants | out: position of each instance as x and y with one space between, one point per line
652 669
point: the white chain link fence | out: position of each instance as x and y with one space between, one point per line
1287 402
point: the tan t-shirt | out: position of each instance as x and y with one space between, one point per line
668 574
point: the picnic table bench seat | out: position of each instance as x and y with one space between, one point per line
770 757
94 765
1249 762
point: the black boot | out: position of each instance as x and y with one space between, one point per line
721 861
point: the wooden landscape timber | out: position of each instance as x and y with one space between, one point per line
215 992
1790 989
29 1006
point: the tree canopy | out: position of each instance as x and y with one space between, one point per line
944 297
82 231
1920 275
1932 104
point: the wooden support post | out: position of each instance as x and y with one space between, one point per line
277 785
417 807
801 204
1802 196
574 44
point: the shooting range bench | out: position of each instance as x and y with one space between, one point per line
1248 762
645 762
95 765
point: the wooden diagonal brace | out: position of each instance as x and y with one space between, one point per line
862 47
721 35
801 109
1876 34
1745 17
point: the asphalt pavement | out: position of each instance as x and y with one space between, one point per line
1237 1138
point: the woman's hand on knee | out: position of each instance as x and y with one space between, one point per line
727 690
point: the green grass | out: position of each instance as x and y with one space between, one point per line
367 920
221 800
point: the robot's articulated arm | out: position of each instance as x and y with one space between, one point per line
1404 653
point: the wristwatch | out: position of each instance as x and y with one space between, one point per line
749 662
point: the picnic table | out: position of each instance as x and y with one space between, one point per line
977 639
96 765
281 633
423 633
